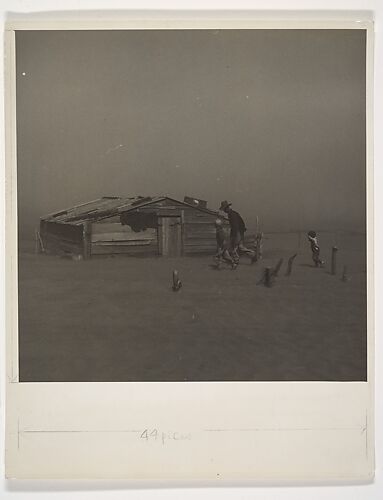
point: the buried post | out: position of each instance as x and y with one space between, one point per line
344 274
267 278
176 281
276 269
333 260
269 273
258 246
37 243
290 264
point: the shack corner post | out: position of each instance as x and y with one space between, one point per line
87 240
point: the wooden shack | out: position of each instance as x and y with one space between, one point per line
132 226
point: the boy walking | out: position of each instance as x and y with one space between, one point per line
223 247
312 237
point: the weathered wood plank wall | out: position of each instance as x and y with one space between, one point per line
199 232
59 238
116 238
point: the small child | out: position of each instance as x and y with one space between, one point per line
223 253
312 237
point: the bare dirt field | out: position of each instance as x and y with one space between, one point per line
117 319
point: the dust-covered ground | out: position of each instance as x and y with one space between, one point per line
117 319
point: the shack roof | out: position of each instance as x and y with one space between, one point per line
110 206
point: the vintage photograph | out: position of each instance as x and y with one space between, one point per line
191 205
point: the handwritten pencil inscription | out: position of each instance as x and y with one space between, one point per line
157 435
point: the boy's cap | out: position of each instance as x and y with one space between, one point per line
312 234
224 204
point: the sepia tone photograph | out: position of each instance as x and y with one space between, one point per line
191 205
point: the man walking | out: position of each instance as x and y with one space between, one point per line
237 233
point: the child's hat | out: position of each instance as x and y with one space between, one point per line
312 234
224 204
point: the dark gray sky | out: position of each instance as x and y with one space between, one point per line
272 120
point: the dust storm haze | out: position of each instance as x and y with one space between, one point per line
272 120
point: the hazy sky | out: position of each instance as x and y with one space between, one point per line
272 120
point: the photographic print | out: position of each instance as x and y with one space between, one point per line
189 245
191 205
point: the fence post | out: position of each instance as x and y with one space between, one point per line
333 260
258 243
176 281
268 276
37 242
344 274
290 264
276 269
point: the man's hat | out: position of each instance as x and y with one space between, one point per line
224 204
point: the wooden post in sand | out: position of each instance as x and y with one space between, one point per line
268 276
276 269
258 246
290 264
344 274
333 260
176 281
257 241
256 251
37 243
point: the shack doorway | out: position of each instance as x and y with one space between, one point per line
170 236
